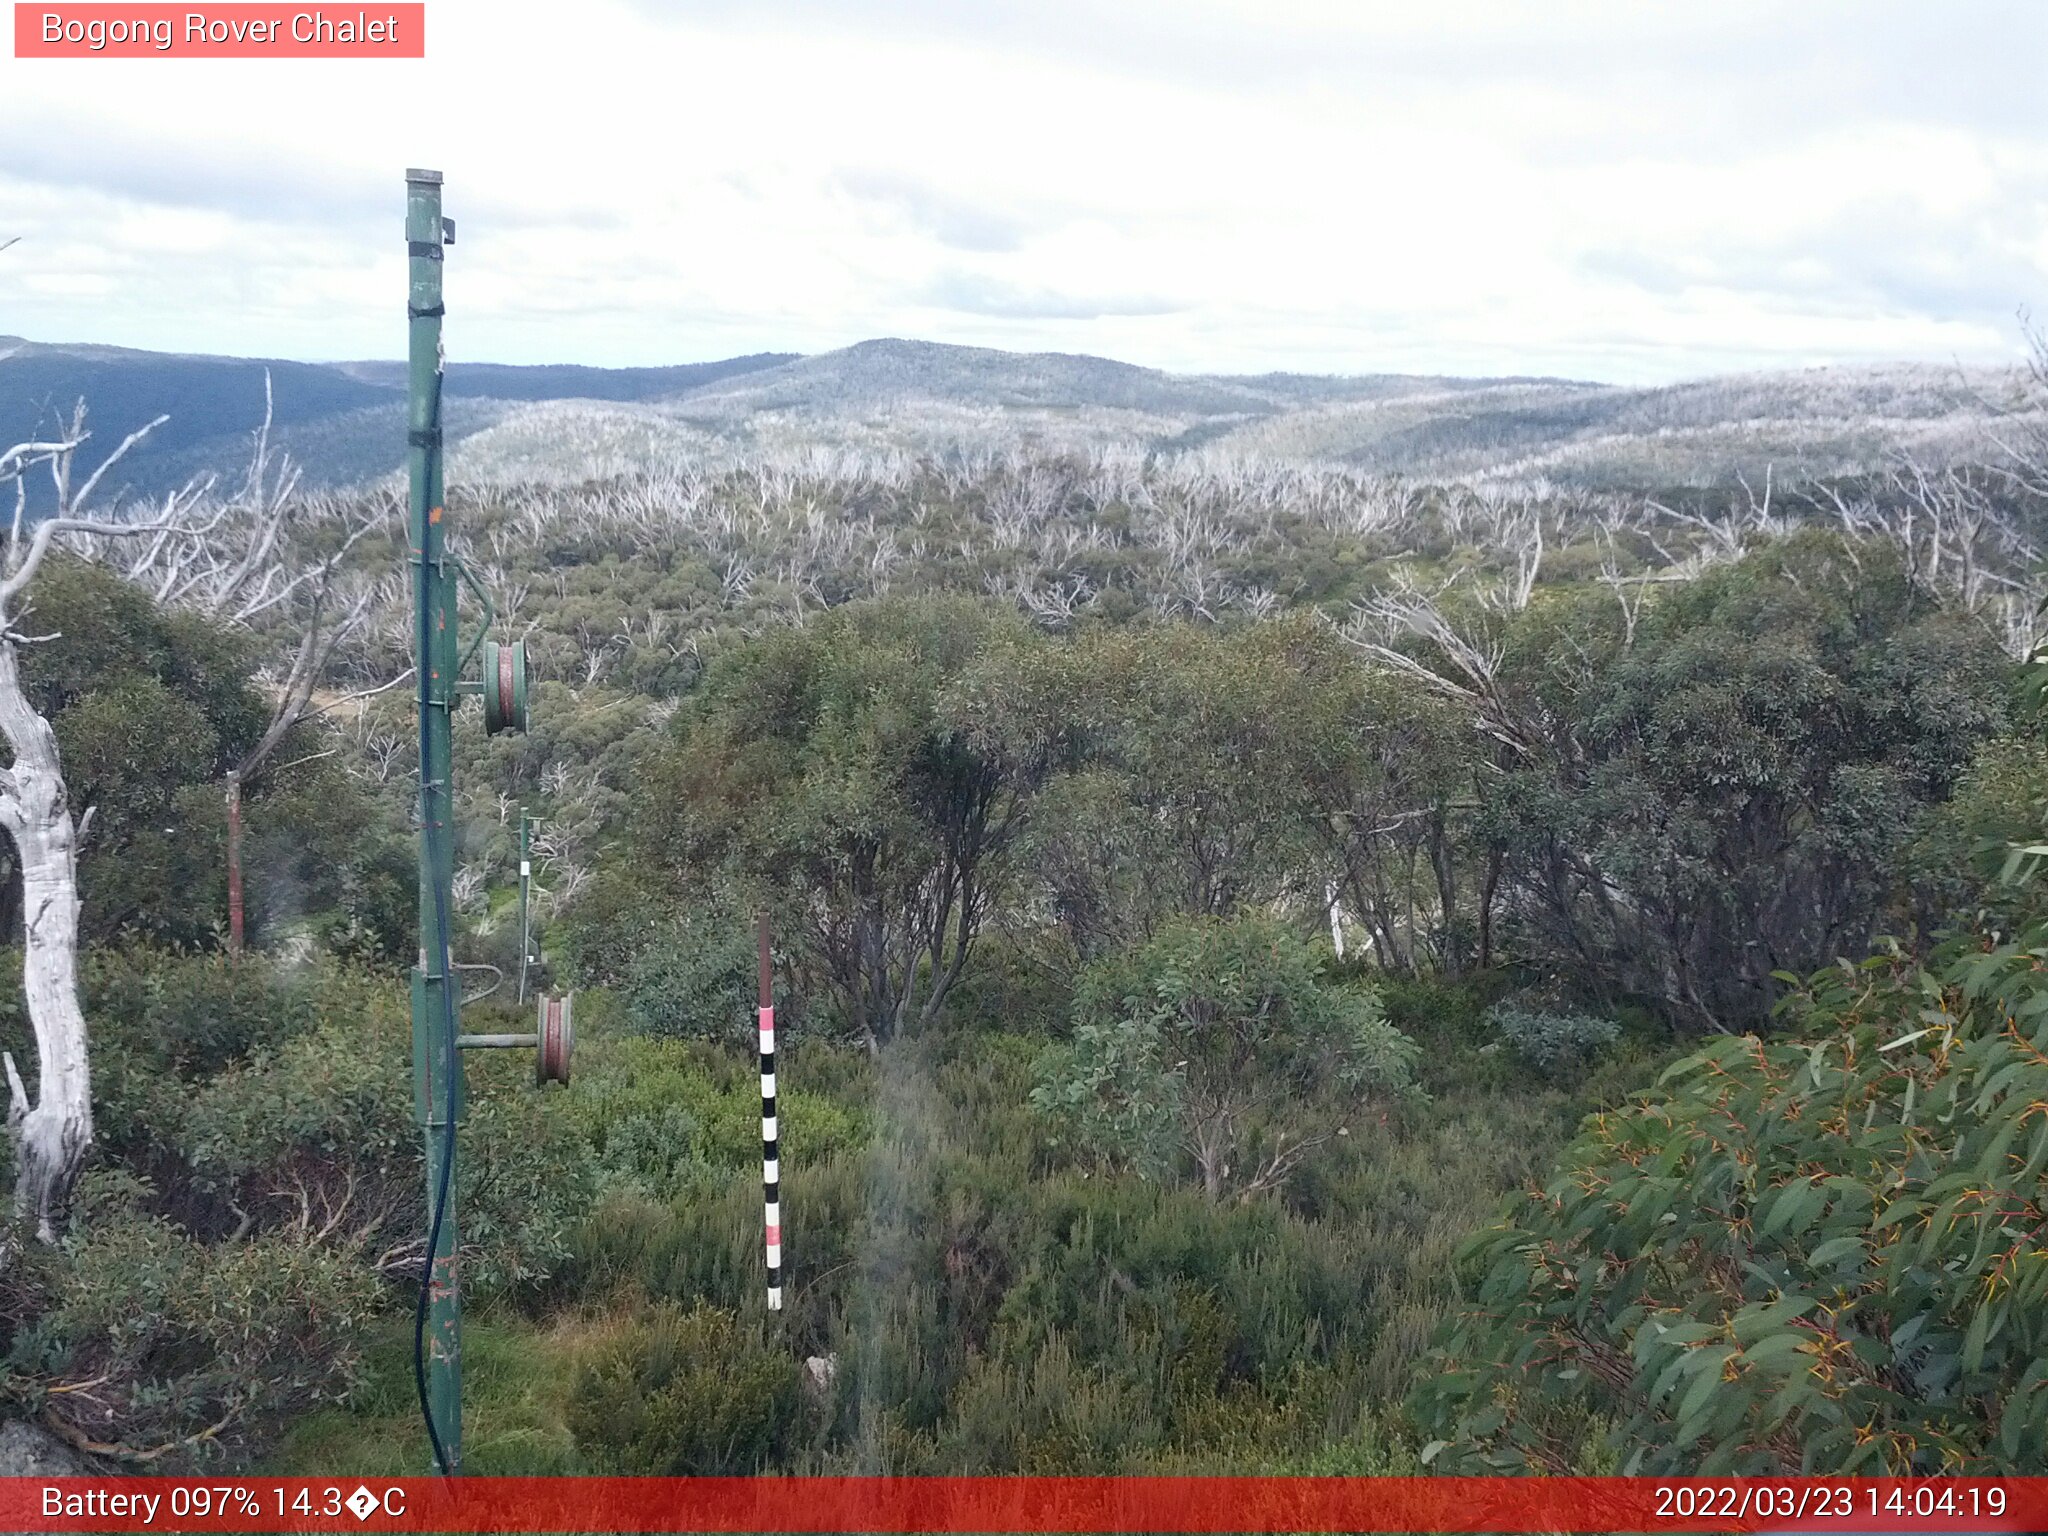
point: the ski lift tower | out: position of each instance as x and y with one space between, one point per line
441 659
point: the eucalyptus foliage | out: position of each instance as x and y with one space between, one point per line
1822 1253
1727 789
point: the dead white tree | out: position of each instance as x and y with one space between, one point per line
381 752
1517 527
1469 658
52 1132
1630 587
1259 602
2020 426
1958 533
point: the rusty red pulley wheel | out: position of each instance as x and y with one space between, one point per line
504 686
557 1038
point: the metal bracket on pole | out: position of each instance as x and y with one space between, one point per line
483 630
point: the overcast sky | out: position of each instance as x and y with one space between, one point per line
1631 191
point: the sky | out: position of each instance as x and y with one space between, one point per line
1634 192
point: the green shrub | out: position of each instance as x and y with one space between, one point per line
1547 1040
1219 1047
610 923
695 980
654 1112
193 1013
154 1344
945 1256
374 919
1964 843
525 1179
679 1393
257 1098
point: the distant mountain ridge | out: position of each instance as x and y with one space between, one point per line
344 421
571 381
870 372
205 397
329 413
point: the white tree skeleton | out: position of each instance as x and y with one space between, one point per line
53 1131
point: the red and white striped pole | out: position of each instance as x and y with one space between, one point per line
771 1169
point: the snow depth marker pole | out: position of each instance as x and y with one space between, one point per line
771 1169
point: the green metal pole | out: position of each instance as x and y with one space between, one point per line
525 880
437 1070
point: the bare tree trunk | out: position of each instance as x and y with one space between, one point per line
234 795
1442 865
52 1135
1494 860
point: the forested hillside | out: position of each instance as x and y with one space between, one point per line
1282 968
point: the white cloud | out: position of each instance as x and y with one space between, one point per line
1596 189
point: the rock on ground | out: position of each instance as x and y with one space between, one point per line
27 1450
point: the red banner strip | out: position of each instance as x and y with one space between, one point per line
376 30
1005 1504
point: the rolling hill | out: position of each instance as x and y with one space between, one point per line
343 422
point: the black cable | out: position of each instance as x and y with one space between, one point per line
440 1209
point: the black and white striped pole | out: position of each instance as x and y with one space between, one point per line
771 1163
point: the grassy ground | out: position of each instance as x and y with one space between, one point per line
514 1373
